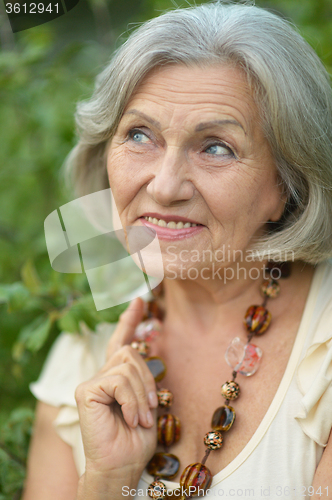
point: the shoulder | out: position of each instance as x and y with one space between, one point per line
325 269
322 302
314 373
322 481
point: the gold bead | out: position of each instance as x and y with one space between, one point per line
270 288
213 440
230 390
141 346
157 489
165 398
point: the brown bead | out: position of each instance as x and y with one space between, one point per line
168 428
141 346
223 418
164 465
154 311
230 390
195 479
213 440
157 367
270 288
165 398
257 319
158 290
157 489
279 270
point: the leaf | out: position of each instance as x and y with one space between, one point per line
111 315
16 295
68 322
30 277
82 309
17 429
33 336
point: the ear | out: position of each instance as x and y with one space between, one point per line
279 210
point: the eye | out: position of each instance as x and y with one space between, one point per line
219 150
138 136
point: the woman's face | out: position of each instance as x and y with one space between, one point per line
190 149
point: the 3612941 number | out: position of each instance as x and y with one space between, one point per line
304 491
31 8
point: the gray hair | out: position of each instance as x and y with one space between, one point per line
291 88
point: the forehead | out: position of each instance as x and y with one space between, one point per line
214 89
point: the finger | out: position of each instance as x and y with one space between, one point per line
128 355
125 329
118 389
123 388
107 391
133 374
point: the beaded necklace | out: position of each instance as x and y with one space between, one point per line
242 357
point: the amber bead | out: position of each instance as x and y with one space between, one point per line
213 440
158 290
141 346
154 311
165 398
223 418
157 367
157 489
196 478
230 390
164 465
257 319
168 428
270 288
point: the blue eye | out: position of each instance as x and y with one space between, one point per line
219 150
138 136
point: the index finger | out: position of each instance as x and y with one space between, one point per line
128 321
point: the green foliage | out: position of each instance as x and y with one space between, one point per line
44 71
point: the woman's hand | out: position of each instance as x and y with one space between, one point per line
118 427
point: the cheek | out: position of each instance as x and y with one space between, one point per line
233 194
243 199
125 180
118 178
118 166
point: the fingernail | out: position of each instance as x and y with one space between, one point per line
153 399
135 421
149 418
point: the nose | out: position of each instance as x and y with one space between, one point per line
171 183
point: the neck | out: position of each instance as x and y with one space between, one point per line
201 304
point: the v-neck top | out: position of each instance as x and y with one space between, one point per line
281 457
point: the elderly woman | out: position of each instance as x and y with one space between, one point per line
212 126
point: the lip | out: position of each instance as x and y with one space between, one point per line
167 233
170 218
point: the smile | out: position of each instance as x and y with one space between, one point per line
172 230
171 224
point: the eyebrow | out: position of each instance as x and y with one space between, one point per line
144 116
198 128
203 126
